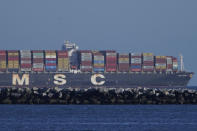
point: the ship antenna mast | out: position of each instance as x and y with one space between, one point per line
182 64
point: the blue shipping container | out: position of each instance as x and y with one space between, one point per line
99 62
50 67
136 67
47 61
99 70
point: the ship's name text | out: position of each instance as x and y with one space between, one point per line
58 79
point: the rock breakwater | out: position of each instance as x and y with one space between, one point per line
97 96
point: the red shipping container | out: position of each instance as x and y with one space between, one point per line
38 60
136 70
136 56
110 51
25 65
110 69
136 64
169 66
13 51
13 59
98 66
37 51
50 64
86 70
62 54
38 69
50 59
25 59
2 52
111 64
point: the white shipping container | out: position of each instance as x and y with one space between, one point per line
160 64
50 56
169 60
25 62
86 67
38 56
148 67
111 54
136 60
25 69
38 65
136 54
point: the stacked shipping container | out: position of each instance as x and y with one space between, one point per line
50 61
148 62
111 61
3 66
38 61
175 64
63 61
169 63
160 63
123 62
25 60
35 61
13 61
136 62
99 62
86 61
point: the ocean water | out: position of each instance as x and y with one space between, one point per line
98 117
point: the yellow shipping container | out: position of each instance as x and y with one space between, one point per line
147 54
16 66
2 62
161 57
10 66
2 65
15 54
123 59
99 64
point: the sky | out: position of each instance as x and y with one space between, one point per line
164 27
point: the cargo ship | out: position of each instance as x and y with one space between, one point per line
71 67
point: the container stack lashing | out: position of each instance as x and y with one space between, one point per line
160 63
50 61
13 61
111 61
38 61
136 62
123 62
63 61
169 64
148 62
86 60
3 59
25 61
98 62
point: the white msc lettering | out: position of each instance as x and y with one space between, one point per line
93 79
16 79
59 79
